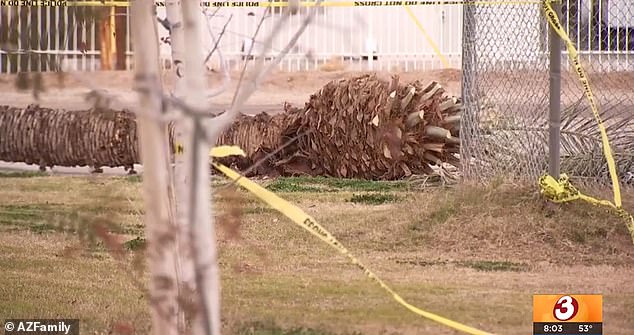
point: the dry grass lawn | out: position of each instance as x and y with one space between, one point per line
472 254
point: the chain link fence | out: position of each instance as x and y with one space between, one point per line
506 90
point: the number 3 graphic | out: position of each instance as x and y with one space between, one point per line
566 308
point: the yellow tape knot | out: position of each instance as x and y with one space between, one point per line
558 190
561 190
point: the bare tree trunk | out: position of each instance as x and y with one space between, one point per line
154 146
185 265
196 151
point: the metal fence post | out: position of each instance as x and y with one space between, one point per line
554 99
467 88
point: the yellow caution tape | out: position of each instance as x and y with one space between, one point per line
219 151
305 221
574 57
179 149
239 4
561 191
226 150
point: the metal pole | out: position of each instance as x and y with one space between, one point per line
468 32
555 99
467 88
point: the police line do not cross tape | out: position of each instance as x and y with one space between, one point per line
251 4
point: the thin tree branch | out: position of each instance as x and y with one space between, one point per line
190 110
217 41
289 46
226 77
246 61
244 92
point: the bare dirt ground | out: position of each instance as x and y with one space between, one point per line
518 90
279 87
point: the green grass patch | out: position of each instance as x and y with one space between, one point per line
373 198
135 178
325 184
23 174
421 262
362 185
489 266
133 229
290 187
135 244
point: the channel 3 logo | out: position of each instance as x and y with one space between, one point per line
567 308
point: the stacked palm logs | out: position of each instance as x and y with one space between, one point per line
362 127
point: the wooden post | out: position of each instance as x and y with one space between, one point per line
108 42
120 32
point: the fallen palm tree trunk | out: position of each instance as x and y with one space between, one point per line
50 137
262 138
363 127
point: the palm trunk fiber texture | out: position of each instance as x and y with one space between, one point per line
362 127
50 137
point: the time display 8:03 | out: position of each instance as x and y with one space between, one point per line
553 328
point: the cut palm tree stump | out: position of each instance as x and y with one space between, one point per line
362 127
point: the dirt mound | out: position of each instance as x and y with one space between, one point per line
514 223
